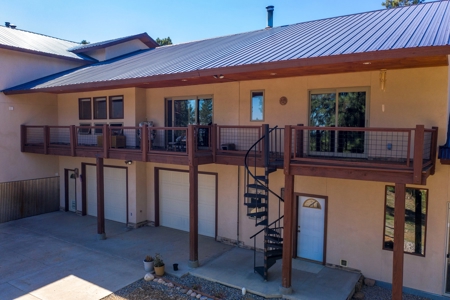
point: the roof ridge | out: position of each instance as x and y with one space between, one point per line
41 34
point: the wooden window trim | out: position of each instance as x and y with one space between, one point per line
426 222
111 107
263 106
80 115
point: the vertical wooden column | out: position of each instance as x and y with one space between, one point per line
434 149
46 139
100 199
419 139
73 140
23 137
106 135
399 239
193 198
286 271
144 142
214 141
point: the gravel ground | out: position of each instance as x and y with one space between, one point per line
152 290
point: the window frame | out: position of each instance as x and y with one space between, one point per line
86 131
80 100
170 113
116 131
425 223
263 105
111 112
95 100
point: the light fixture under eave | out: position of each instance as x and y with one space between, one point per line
221 76
183 79
383 79
215 76
273 74
128 162
367 63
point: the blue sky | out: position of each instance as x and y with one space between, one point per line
182 20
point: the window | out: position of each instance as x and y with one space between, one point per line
100 108
84 109
415 220
98 131
257 106
84 131
116 128
337 108
188 111
116 107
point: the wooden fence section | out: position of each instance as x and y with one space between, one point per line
21 199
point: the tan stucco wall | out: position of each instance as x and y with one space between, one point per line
355 208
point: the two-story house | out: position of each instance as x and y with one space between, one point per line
314 132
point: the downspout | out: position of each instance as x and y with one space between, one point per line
238 210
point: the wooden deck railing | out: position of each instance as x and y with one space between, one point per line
386 148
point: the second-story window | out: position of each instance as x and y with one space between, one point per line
116 110
84 109
100 108
257 106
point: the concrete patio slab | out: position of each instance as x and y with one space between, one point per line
58 256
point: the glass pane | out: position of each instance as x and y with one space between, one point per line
257 106
184 112
100 108
415 220
323 114
351 113
85 109
116 108
205 111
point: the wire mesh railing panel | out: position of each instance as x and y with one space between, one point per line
172 139
238 138
89 136
276 143
427 143
124 137
59 136
34 135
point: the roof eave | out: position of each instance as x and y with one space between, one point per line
79 59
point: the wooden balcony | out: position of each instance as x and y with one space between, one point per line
380 154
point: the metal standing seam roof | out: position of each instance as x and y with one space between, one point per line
37 43
415 26
144 37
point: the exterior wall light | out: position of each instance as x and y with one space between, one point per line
128 162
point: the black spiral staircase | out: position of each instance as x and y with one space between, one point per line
257 191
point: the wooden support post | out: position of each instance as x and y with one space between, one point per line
190 145
144 142
266 145
418 154
46 139
399 240
73 140
193 217
434 149
23 137
100 199
106 145
299 142
286 271
214 141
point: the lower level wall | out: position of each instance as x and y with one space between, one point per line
26 198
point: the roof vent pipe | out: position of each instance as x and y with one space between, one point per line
269 16
7 24
12 26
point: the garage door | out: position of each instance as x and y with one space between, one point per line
174 201
115 193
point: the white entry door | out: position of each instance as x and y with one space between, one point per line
115 193
174 201
311 228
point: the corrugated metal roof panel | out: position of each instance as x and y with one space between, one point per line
421 25
20 39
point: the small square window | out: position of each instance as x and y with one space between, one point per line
84 131
84 109
116 128
116 110
416 201
98 131
100 108
257 106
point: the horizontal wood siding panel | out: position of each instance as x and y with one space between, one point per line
21 199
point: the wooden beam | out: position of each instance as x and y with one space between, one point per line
100 199
193 216
214 141
418 153
399 240
106 145
46 139
434 149
286 272
73 140
144 142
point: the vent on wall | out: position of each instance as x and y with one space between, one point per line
343 263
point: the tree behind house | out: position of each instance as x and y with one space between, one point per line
399 3
164 41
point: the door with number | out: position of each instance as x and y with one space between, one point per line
311 228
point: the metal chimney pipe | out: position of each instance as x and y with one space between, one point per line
7 24
270 16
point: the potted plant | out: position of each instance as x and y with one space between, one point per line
148 263
159 265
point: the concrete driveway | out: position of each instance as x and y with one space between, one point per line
58 256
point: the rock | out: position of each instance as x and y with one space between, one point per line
194 294
178 288
358 286
170 284
359 296
183 291
149 277
155 280
369 282
161 281
203 298
199 296
189 292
